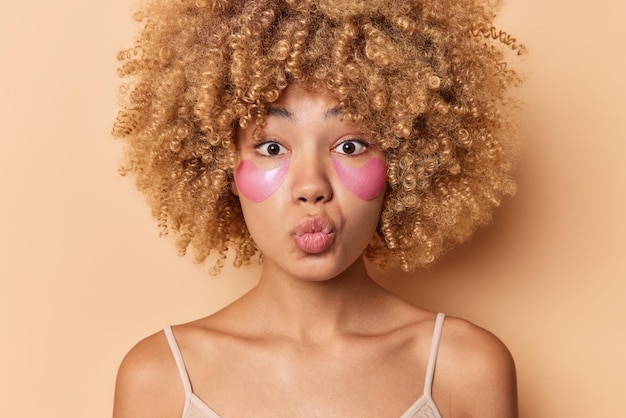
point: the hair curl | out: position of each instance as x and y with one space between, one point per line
425 77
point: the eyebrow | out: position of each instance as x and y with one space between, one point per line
281 112
332 113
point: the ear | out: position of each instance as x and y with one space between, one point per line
233 187
233 184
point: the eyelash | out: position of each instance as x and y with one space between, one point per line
259 145
363 144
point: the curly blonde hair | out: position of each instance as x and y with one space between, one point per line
426 78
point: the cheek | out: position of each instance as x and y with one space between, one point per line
365 182
256 184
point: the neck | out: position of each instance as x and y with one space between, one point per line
316 310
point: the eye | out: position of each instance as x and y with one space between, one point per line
351 147
270 148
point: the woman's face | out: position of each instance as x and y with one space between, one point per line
310 185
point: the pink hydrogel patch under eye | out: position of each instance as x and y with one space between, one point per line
366 182
256 184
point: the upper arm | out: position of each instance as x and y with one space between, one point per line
494 373
480 371
147 383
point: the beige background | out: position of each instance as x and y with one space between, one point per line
84 276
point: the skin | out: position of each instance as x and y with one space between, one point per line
256 184
365 182
316 336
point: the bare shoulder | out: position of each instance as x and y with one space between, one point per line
148 384
476 371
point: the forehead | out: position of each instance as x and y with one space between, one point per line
304 106
303 99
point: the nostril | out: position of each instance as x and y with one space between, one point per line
317 199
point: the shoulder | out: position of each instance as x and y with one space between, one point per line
479 369
148 383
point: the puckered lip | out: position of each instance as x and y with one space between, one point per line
314 235
314 224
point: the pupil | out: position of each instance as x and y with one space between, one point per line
348 148
273 149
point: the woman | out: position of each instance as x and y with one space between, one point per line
317 134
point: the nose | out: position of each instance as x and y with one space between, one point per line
310 180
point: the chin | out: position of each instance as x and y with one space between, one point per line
318 268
